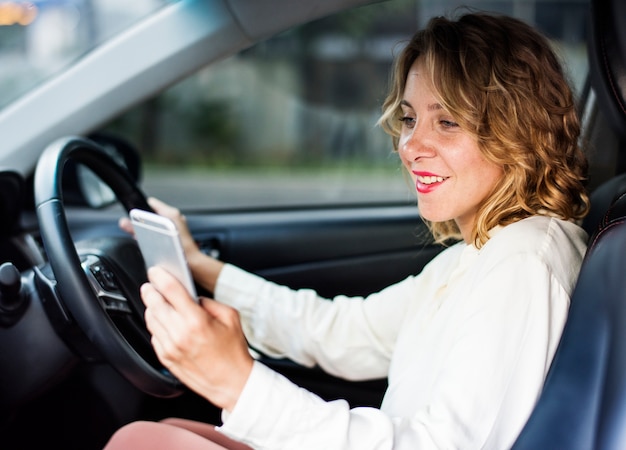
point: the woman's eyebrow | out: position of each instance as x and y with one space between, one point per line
431 107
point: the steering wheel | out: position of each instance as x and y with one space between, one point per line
98 281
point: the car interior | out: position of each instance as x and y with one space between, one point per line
75 355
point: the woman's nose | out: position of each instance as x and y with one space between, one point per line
417 144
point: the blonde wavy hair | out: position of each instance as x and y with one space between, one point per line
501 81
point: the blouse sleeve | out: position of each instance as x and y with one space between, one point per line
350 337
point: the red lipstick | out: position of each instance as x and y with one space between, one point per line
426 182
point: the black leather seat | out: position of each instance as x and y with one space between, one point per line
583 403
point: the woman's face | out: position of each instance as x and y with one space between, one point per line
451 175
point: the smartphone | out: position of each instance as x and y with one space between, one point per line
160 245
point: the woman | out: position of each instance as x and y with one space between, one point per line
485 124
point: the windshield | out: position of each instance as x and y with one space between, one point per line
43 37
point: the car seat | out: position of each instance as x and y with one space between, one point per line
583 402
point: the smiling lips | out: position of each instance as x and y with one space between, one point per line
427 182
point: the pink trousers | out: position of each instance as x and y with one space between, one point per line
171 434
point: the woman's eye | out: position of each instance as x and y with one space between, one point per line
408 122
448 123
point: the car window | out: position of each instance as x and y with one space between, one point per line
292 120
40 38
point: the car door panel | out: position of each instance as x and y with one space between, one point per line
352 251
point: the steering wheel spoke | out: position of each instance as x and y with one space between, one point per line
105 285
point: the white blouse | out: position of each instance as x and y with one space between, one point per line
466 346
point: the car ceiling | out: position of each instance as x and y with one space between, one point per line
175 42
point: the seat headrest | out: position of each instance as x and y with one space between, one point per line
602 200
615 214
607 60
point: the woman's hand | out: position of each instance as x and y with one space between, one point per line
203 344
